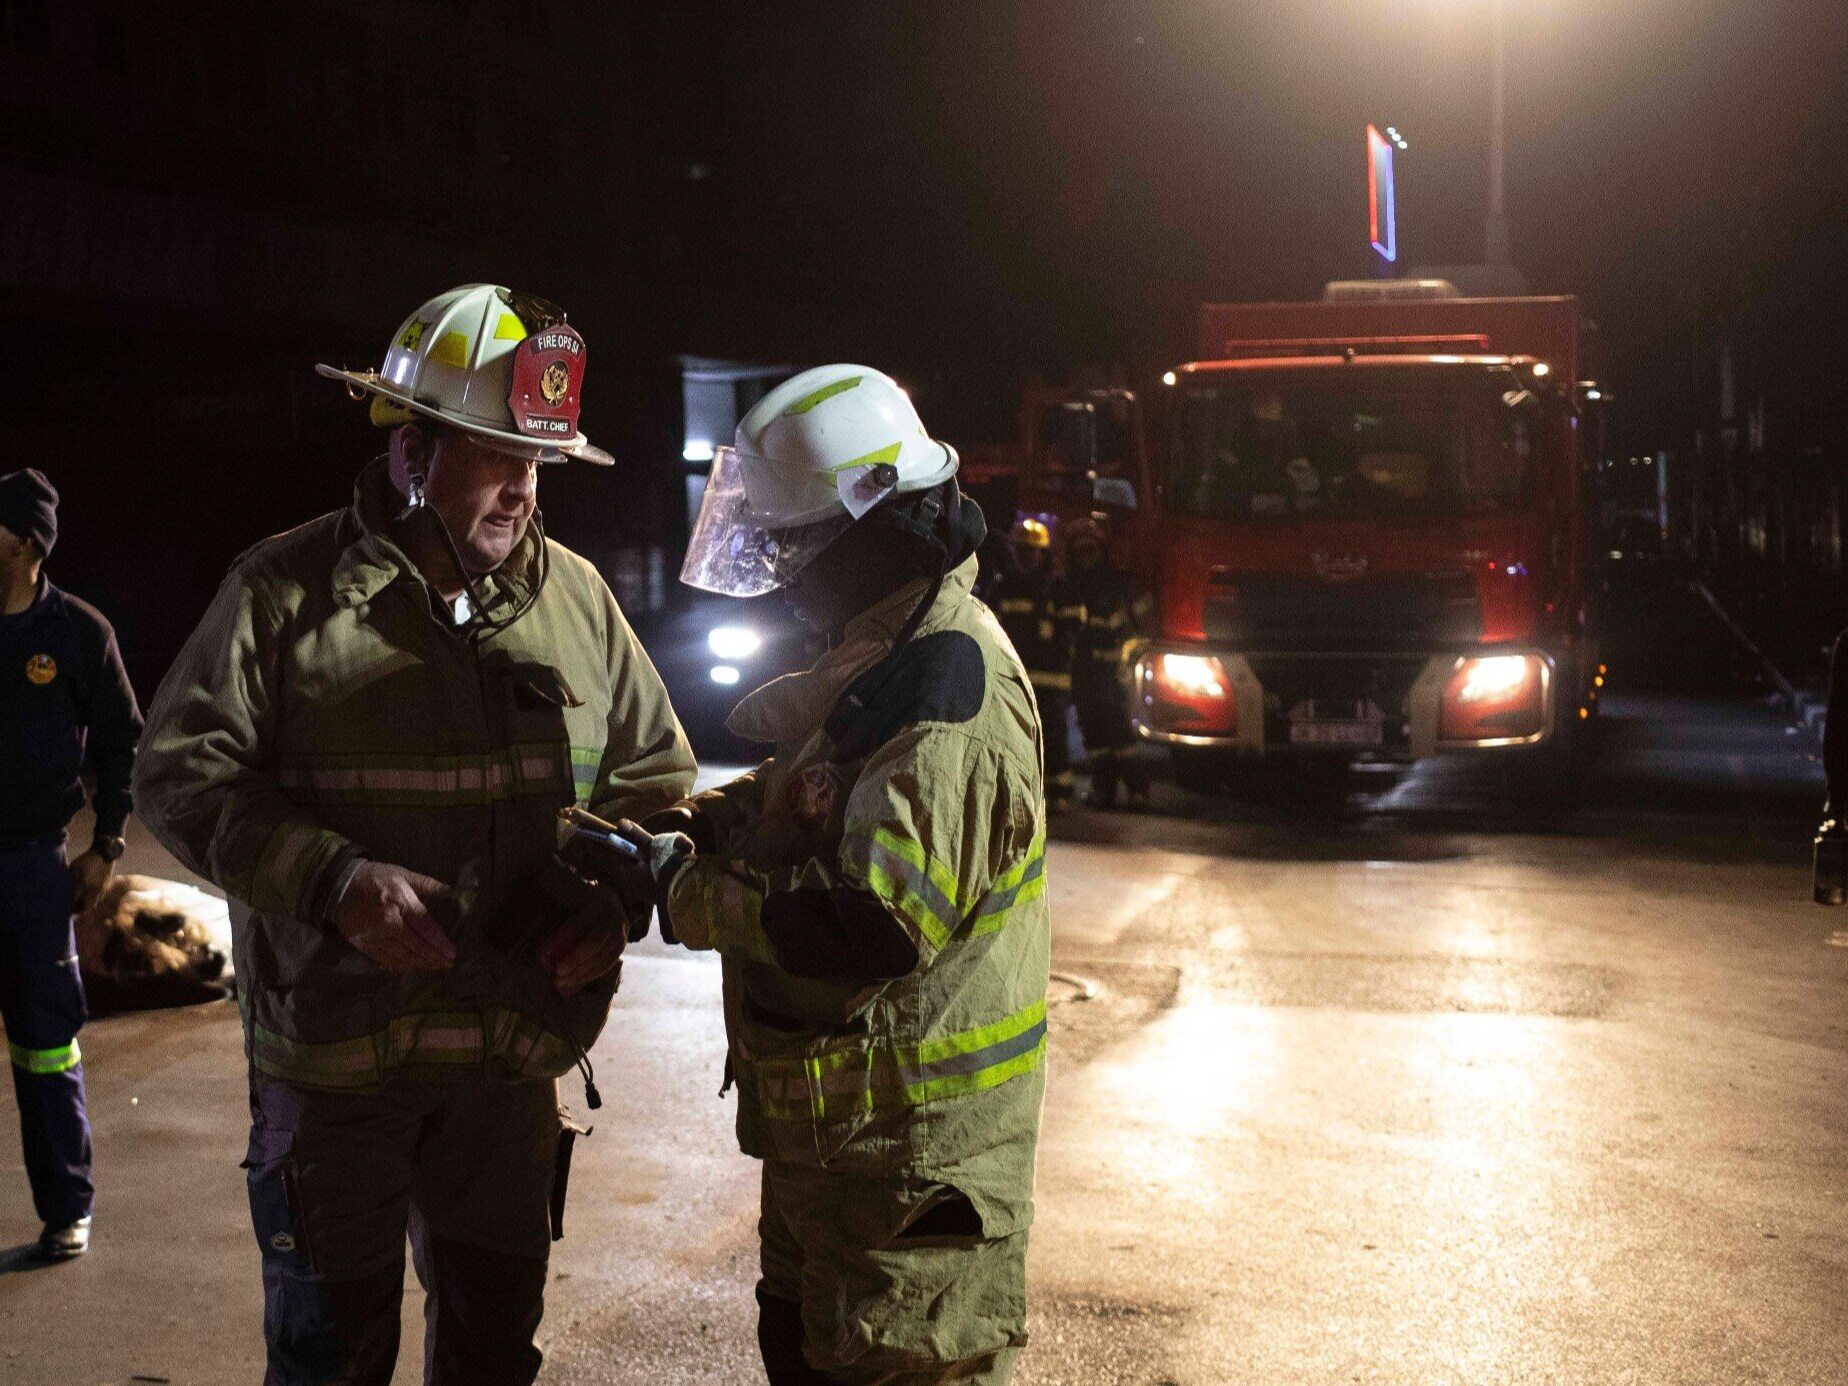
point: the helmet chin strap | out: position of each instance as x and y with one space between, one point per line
937 513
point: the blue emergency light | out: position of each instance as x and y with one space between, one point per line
1382 215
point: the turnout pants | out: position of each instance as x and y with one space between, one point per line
1109 740
877 1282
41 1003
1054 696
467 1164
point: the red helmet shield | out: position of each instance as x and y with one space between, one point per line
548 373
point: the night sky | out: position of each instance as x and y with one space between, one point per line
1045 182
963 192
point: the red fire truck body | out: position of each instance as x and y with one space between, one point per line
1365 522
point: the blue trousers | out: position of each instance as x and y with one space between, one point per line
41 1003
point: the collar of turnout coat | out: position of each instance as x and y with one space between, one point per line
796 703
372 559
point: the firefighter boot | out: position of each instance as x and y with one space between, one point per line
1106 774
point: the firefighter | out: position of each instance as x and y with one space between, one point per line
1114 614
64 697
875 890
366 743
1040 616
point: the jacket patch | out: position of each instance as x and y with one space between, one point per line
936 678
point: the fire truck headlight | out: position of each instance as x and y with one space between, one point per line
1495 699
1191 676
1187 694
1493 679
724 675
733 642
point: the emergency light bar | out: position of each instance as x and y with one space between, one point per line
1458 343
1388 290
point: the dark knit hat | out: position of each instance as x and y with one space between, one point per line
29 507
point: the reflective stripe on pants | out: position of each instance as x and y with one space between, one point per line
42 1006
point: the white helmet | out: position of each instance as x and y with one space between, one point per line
813 456
502 365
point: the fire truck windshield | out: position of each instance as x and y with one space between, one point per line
1433 443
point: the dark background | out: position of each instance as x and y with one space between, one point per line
197 202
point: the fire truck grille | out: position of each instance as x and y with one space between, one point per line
1363 616
1301 689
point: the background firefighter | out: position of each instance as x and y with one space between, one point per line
1043 619
1115 615
366 743
65 701
876 891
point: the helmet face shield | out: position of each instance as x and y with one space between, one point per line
735 554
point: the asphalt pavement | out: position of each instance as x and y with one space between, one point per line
1454 1077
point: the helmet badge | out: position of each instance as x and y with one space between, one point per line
554 382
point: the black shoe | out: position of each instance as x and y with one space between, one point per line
64 1243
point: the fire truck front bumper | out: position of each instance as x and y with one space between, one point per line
1393 706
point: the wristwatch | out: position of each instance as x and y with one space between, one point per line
110 849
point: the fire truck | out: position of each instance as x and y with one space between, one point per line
1366 521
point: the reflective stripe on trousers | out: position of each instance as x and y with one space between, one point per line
59 1060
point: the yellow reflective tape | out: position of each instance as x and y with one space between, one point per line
990 1076
451 349
509 329
44 1061
433 781
585 762
815 397
934 871
388 413
856 1079
909 905
1017 872
432 1039
889 453
968 1041
1020 885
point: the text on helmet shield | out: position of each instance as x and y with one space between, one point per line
548 374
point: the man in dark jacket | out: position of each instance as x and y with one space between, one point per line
63 694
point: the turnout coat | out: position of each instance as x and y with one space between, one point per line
931 802
326 708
